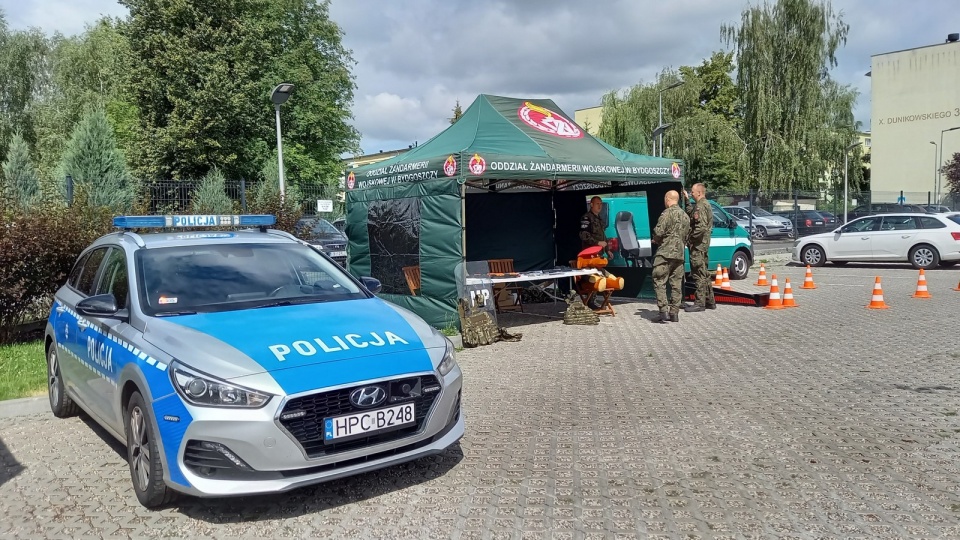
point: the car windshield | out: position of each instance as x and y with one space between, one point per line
760 212
224 277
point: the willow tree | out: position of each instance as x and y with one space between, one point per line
703 114
797 122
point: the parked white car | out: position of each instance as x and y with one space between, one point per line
923 240
765 224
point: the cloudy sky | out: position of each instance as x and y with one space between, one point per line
416 58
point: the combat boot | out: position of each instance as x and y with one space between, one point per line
711 306
694 308
674 316
664 317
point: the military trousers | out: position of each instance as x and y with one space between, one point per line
700 274
668 272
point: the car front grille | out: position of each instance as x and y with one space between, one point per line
306 414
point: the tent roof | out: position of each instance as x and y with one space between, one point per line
502 138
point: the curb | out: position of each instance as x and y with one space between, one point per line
24 406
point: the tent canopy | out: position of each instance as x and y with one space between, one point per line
502 138
507 180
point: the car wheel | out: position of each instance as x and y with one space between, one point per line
791 234
739 266
924 256
143 455
60 403
813 255
760 233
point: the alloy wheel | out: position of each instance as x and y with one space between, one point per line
139 448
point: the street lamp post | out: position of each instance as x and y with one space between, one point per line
935 169
658 132
279 96
660 121
940 162
845 182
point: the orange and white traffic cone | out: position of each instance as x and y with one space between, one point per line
808 280
957 288
725 285
775 302
922 291
788 300
762 278
876 302
718 281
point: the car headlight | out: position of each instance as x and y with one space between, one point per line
207 391
449 360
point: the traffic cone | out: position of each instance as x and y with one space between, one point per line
775 302
922 291
762 278
957 288
788 300
876 302
808 280
718 281
726 281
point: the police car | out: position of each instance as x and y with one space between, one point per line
243 362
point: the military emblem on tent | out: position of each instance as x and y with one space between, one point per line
547 121
351 180
675 170
477 165
450 166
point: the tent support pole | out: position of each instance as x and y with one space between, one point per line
463 223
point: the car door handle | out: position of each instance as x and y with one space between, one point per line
83 324
864 237
60 310
905 235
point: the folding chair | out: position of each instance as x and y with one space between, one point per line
412 273
502 291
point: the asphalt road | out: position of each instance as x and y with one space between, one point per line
825 421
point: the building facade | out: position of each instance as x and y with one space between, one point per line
915 104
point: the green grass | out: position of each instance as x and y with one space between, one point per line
23 371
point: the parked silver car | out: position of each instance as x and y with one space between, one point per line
765 224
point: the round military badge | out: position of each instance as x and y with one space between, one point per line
477 165
547 121
450 166
351 180
675 170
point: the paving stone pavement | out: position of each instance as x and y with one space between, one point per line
825 421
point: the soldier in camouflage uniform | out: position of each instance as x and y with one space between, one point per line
670 235
701 226
591 226
592 233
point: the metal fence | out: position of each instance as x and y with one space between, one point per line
831 201
167 196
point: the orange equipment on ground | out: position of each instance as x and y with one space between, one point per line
603 283
788 300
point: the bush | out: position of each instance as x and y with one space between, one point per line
22 182
266 200
210 197
37 250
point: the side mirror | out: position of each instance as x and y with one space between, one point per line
372 284
101 305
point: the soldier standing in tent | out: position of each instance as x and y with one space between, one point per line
670 234
591 226
701 226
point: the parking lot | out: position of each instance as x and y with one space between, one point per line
824 421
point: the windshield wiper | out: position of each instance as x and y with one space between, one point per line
293 302
174 313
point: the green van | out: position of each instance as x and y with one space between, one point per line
730 245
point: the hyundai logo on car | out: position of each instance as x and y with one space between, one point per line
368 396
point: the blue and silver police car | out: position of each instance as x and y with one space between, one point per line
243 362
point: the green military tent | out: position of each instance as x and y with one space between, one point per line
509 179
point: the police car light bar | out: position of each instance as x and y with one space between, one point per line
212 220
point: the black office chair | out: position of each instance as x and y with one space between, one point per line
630 248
